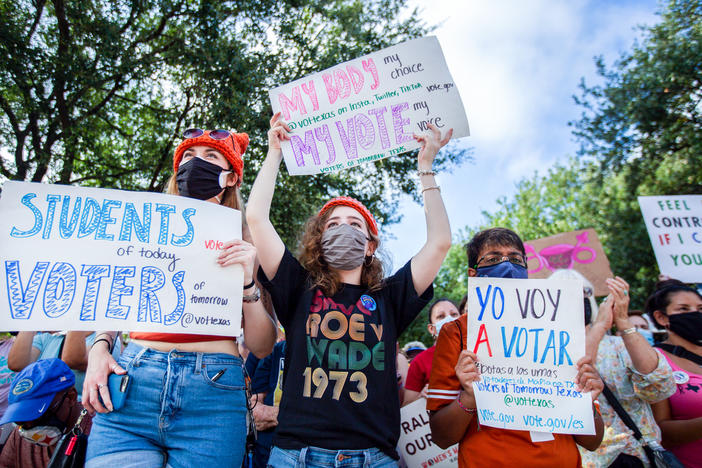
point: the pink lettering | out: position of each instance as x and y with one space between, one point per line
356 78
369 66
295 104
308 89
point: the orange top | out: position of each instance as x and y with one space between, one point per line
177 337
484 446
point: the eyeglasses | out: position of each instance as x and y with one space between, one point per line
492 259
218 134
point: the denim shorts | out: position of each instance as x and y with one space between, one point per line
315 457
175 415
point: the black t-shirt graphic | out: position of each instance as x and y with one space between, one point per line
340 384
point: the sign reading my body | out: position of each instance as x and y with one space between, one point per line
532 302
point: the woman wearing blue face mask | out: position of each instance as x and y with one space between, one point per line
637 376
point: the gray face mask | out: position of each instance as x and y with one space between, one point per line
343 247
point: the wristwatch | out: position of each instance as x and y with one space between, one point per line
249 298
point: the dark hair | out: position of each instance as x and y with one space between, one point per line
636 312
662 295
437 301
494 236
462 305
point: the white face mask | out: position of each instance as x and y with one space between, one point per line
443 322
45 436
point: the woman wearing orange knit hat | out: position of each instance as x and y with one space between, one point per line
186 403
342 318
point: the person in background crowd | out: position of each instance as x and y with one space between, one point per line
185 404
267 387
495 253
463 306
642 325
6 376
636 374
440 312
340 401
71 347
402 364
44 405
412 349
678 308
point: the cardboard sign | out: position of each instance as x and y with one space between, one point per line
95 259
579 250
674 225
528 335
367 109
415 443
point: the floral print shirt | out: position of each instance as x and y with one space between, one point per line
635 392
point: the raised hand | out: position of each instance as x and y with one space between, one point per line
278 132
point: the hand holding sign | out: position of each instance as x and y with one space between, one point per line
431 143
279 132
239 252
587 379
467 371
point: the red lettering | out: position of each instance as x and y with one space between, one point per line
482 332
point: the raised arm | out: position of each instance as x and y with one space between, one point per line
426 264
258 207
22 353
75 353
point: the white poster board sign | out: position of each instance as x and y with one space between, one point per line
76 258
674 225
367 109
415 445
528 335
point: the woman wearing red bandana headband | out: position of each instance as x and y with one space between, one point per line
185 403
342 318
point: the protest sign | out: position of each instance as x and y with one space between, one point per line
674 225
577 250
528 335
415 445
367 109
95 259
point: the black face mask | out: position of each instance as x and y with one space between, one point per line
588 311
200 179
688 326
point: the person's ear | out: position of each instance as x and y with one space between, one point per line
661 318
431 328
232 179
472 272
370 248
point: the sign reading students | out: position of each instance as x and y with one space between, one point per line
368 108
674 225
528 335
95 259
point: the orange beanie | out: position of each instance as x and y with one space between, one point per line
232 148
356 205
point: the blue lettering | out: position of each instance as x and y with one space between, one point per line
106 218
115 309
174 316
94 273
90 218
152 279
58 301
50 210
165 211
27 201
480 301
550 345
187 238
563 340
22 300
66 228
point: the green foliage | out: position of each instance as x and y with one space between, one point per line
640 134
97 92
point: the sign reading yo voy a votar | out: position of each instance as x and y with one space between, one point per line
75 258
528 335
367 109
674 224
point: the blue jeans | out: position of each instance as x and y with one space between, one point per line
315 457
174 414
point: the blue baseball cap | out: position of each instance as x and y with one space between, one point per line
34 388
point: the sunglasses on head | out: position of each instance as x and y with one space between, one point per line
218 134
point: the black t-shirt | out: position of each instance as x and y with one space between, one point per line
340 384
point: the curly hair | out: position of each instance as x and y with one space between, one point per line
323 277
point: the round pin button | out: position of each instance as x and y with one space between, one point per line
368 302
680 377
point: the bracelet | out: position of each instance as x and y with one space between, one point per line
596 404
421 173
250 298
629 331
250 285
109 345
467 410
433 187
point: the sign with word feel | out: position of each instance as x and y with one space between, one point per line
577 250
674 225
76 258
367 109
415 444
528 335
